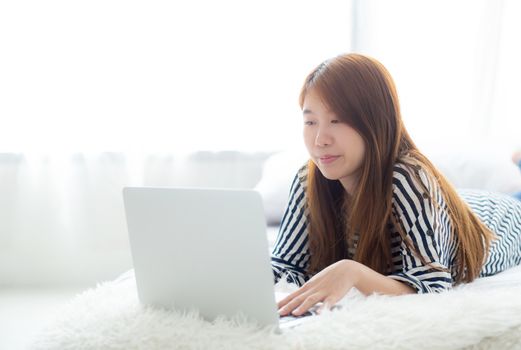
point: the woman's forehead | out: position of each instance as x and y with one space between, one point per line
313 102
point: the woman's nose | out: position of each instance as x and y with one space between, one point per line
323 138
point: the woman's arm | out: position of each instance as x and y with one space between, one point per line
290 255
332 284
420 209
368 281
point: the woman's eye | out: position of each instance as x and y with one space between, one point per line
336 121
308 123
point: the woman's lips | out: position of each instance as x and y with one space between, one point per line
328 160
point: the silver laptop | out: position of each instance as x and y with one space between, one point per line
204 249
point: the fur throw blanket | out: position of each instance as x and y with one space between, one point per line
485 314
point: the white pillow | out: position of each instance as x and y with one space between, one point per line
278 172
490 170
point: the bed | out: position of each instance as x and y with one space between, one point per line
484 314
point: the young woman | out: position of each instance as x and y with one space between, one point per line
369 210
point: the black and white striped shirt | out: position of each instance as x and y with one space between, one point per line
427 225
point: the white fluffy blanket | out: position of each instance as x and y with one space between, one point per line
485 314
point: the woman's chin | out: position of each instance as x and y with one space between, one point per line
329 175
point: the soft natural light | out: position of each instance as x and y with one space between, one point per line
204 75
453 63
160 75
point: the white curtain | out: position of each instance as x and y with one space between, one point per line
505 110
91 91
62 217
204 75
455 64
116 75
99 94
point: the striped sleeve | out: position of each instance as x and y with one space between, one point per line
417 214
290 255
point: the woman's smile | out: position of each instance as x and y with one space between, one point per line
328 159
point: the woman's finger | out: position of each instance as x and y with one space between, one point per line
309 302
293 304
294 294
289 298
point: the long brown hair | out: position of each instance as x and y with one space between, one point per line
361 92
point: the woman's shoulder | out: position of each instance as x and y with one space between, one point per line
404 169
414 185
299 185
302 174
409 164
410 174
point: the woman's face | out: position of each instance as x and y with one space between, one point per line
336 148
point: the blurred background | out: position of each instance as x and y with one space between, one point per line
99 95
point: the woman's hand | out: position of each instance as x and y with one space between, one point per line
328 286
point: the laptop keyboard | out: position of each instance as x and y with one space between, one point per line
288 318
